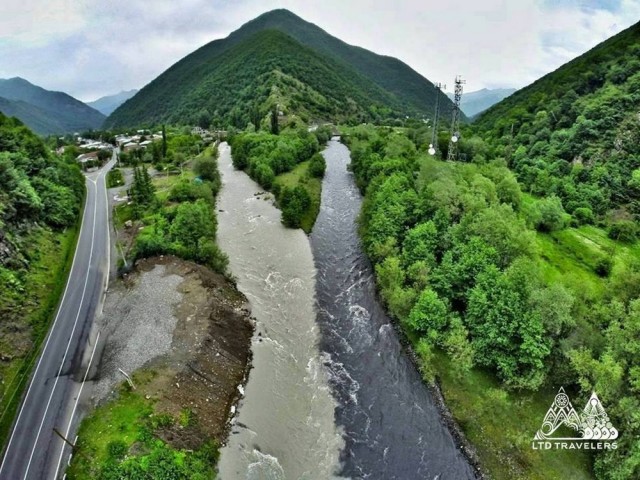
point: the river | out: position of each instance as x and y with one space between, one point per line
391 425
285 426
331 393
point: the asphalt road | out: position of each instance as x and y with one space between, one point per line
34 451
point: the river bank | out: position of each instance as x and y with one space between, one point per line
182 333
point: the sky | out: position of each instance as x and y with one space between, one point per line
90 48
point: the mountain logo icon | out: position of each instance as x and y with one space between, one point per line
592 424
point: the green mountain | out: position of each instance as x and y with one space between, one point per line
476 102
44 111
279 58
38 120
107 104
575 132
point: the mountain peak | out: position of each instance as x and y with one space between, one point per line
222 80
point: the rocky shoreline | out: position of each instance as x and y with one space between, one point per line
463 444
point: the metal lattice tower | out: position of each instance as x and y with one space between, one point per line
455 120
433 147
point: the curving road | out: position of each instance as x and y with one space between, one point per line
34 451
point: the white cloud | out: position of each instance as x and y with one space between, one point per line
34 22
92 47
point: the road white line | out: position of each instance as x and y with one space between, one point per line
75 323
75 406
55 321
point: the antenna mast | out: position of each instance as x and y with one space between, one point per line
452 155
433 146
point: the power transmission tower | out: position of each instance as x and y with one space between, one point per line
455 120
433 147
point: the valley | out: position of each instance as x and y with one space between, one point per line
289 257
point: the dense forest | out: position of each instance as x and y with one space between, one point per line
575 133
476 268
243 82
279 59
416 93
267 157
40 199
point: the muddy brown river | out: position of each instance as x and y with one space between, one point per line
285 426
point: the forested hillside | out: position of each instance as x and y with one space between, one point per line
279 59
504 303
44 111
242 84
416 93
575 133
40 200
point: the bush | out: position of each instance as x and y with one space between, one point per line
207 169
117 449
188 191
624 231
294 203
603 267
551 215
317 166
115 178
583 216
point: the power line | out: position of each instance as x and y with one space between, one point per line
452 154
433 147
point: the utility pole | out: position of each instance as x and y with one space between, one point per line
452 155
55 430
433 147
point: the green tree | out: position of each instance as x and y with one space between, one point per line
505 334
193 221
294 203
429 315
275 126
317 166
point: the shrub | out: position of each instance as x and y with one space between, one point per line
317 166
603 267
207 169
583 216
624 231
294 203
187 191
115 178
551 215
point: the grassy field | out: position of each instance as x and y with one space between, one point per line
122 440
300 176
501 425
51 256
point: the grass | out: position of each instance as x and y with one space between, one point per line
52 257
570 256
120 440
120 420
300 176
501 425
115 178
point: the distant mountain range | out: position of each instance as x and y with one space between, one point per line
107 104
44 111
280 59
475 102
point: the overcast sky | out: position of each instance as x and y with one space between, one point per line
90 48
